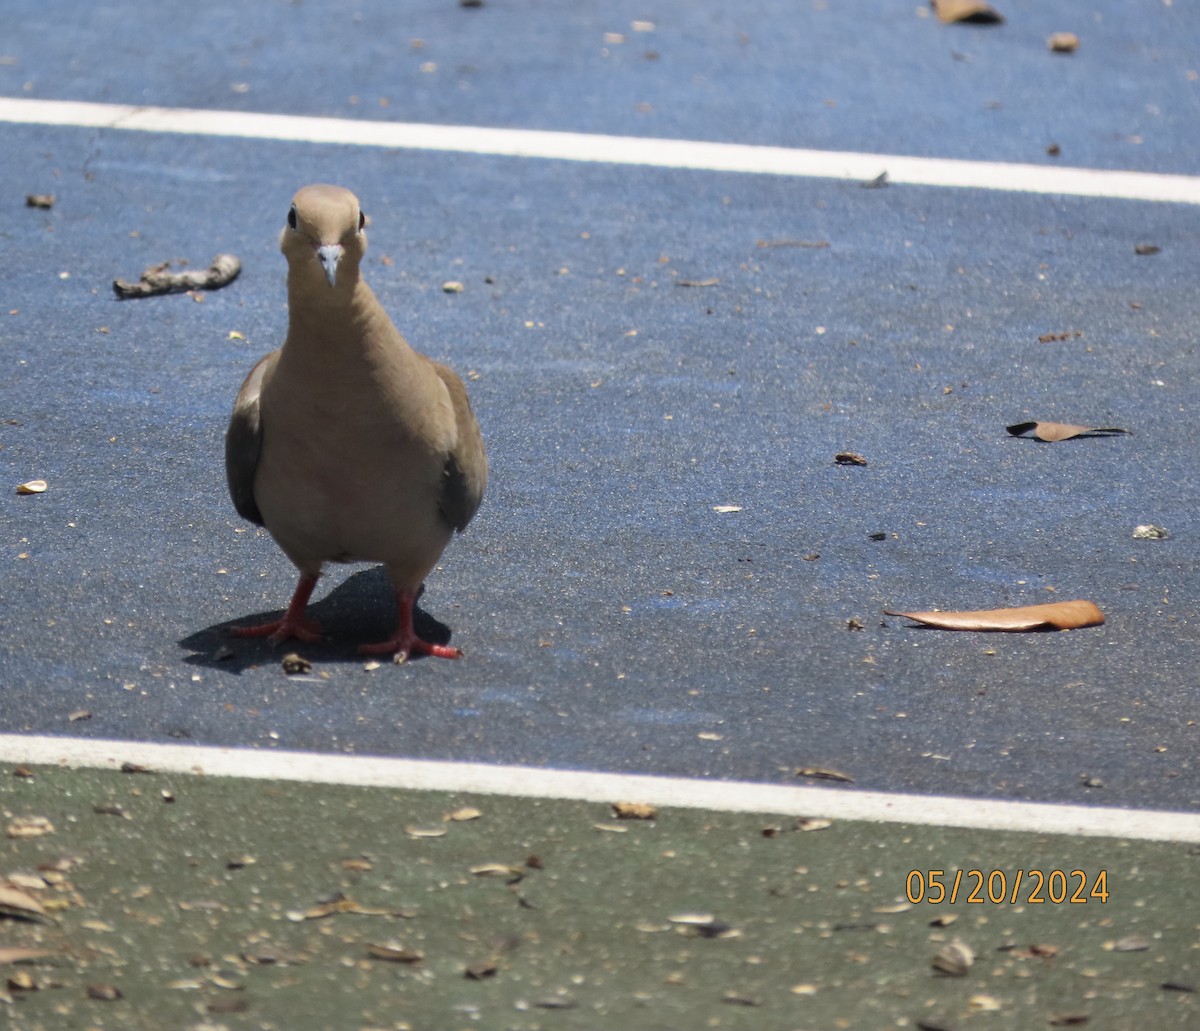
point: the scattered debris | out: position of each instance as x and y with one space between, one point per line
32 487
19 905
878 183
1053 431
1130 943
824 773
954 959
849 458
294 663
634 811
1059 615
159 280
39 200
1063 43
29 827
976 12
1146 249
1150 532
1056 338
726 509
452 286
394 952
712 281
104 992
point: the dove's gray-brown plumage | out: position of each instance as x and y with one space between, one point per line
345 443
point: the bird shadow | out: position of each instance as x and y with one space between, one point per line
359 610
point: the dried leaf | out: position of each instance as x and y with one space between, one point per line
634 811
975 11
1059 615
15 903
498 870
824 773
813 823
1053 431
394 952
16 954
29 827
413 831
849 458
954 958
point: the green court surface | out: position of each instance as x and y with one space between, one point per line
167 901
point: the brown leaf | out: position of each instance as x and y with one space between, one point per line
16 954
23 827
1059 615
634 811
849 458
824 773
975 11
394 952
1052 431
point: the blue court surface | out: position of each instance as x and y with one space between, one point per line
670 573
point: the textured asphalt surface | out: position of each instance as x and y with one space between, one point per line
611 618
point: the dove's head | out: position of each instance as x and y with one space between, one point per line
324 234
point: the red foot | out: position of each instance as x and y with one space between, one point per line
400 648
405 642
280 630
293 623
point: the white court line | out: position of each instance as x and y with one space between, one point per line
624 150
529 782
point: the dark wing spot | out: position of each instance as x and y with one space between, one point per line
292 217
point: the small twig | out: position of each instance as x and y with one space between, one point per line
159 280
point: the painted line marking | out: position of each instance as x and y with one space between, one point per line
624 150
529 782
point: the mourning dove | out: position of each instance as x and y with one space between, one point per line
345 443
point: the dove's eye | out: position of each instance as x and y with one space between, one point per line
292 217
362 221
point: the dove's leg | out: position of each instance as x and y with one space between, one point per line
405 642
293 623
